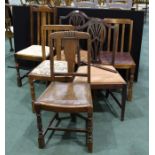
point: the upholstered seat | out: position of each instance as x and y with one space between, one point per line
121 59
38 49
43 69
33 51
100 76
66 96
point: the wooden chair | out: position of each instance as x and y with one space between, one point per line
34 53
104 76
123 58
66 97
42 71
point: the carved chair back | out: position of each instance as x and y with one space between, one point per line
47 29
70 40
75 18
124 38
98 31
39 16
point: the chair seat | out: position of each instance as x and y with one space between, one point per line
66 97
43 69
33 51
121 59
83 55
100 77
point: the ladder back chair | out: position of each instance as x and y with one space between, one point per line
65 96
34 53
103 76
42 71
123 58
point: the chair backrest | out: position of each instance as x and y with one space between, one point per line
46 30
124 40
75 18
39 15
97 29
70 40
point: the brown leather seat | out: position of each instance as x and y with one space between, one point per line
100 77
66 97
120 59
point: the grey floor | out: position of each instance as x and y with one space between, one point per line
111 136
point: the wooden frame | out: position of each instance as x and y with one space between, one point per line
65 38
43 15
33 77
123 58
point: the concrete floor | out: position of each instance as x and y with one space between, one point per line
111 136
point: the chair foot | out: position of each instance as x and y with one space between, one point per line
19 82
41 142
90 147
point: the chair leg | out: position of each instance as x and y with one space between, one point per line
11 47
41 141
123 102
19 81
86 132
130 83
89 134
32 88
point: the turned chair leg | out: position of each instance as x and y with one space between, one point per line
41 141
11 46
32 88
123 102
89 133
130 84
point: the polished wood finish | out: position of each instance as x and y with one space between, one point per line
65 96
44 16
123 58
